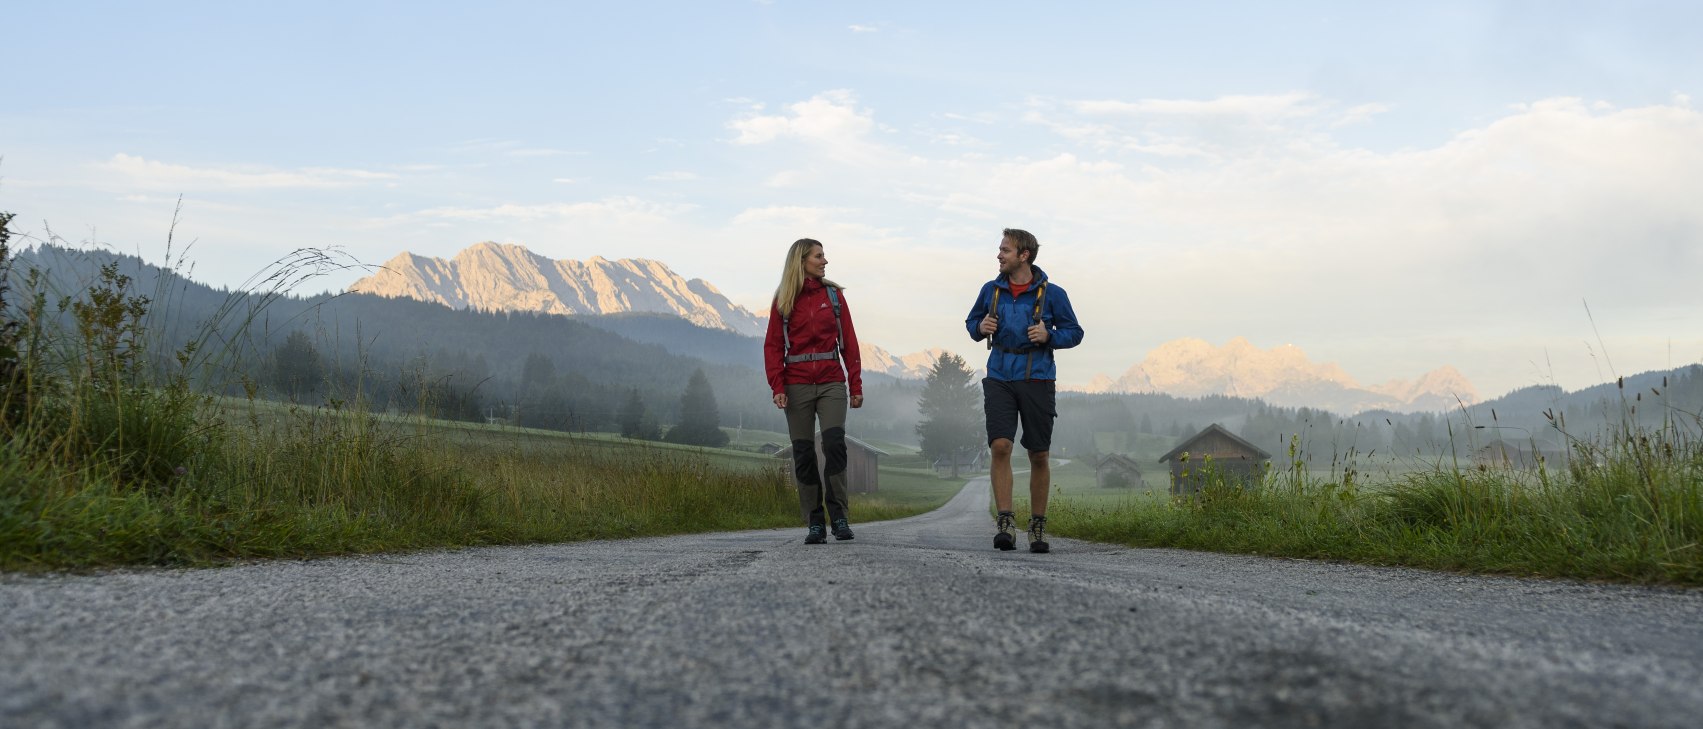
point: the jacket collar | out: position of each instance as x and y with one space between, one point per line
1004 280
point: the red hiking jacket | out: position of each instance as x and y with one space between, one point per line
812 330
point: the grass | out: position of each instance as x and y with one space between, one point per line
286 481
1627 507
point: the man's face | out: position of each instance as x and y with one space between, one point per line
1009 258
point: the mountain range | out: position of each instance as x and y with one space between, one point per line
620 293
1283 376
505 277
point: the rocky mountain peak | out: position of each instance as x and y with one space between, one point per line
509 277
1282 375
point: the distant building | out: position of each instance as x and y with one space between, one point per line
968 460
1232 457
863 464
1502 454
1115 471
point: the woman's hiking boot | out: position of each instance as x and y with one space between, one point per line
817 535
1005 539
1038 535
842 530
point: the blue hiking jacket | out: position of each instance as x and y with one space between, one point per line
1013 357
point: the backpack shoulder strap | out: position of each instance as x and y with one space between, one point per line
839 329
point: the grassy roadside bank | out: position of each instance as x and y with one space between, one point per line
271 481
1628 508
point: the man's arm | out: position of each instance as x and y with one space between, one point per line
978 312
1065 332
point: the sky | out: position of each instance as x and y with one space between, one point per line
1508 188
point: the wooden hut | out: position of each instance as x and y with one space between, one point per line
1115 471
1502 454
966 460
863 464
1232 457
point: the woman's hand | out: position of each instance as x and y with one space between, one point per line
780 400
857 401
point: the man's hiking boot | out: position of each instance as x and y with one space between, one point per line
817 535
842 530
1038 535
1005 539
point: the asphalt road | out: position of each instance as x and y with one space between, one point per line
915 623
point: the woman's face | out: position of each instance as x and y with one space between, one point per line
816 263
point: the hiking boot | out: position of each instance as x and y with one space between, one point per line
1005 539
842 530
1038 535
816 535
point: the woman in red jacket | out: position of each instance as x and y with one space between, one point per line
810 335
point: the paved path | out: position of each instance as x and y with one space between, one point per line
915 623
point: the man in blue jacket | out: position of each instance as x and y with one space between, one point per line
1024 318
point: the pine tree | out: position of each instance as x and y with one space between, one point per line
634 415
700 419
951 411
296 365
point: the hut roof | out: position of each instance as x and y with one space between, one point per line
1120 461
1258 452
850 441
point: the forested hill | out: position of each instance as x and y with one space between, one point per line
483 357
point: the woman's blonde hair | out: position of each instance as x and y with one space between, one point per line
792 275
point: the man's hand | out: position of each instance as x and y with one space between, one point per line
990 324
856 401
780 400
1038 334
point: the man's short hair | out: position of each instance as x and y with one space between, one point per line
1024 241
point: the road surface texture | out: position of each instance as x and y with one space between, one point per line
915 623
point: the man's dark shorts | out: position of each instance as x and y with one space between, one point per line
1029 401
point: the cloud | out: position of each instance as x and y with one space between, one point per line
616 208
152 174
490 147
789 214
673 176
1269 106
1247 216
863 28
830 119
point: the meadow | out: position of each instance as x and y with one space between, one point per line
1625 505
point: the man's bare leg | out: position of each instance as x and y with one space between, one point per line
1005 531
1001 474
1040 482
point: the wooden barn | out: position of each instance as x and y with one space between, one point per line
1231 456
863 464
1115 471
968 460
1502 454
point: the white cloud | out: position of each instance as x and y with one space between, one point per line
830 119
863 28
1270 106
673 176
490 146
789 214
139 172
615 209
1244 216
